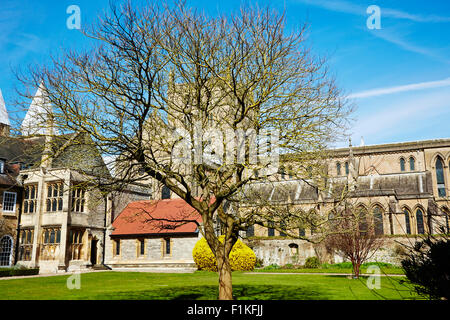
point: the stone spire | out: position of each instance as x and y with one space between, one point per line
4 119
37 120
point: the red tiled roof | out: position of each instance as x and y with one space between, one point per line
156 217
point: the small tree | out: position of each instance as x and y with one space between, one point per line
353 235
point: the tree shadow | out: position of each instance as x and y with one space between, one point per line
240 292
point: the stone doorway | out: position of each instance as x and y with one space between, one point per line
94 251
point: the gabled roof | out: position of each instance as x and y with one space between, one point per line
157 217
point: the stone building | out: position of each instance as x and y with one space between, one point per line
149 235
56 219
9 190
404 185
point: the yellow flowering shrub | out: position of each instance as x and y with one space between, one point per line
242 258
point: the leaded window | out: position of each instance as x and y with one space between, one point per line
26 244
402 165
117 247
407 221
378 220
51 238
419 220
78 199
338 168
30 199
55 197
440 177
141 247
76 244
167 247
412 164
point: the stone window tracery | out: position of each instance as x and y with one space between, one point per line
55 197
26 244
419 221
76 244
78 199
51 238
30 199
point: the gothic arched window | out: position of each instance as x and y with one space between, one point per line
419 220
338 168
378 220
440 177
402 164
407 221
412 164
347 171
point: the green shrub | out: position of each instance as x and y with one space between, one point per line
272 267
288 266
259 263
242 258
312 263
18 271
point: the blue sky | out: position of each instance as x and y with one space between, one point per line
397 76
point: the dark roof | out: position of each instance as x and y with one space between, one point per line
74 151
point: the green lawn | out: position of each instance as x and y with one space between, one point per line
383 271
202 286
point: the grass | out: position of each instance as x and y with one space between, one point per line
345 267
201 286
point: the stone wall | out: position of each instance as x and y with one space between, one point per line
181 252
282 251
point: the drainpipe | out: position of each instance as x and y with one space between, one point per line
16 244
104 233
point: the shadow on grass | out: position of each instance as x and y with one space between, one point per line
240 292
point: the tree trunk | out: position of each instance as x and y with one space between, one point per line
356 267
225 281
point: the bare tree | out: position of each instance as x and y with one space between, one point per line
159 77
354 234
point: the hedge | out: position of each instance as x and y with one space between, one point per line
13 272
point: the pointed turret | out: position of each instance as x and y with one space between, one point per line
4 119
37 120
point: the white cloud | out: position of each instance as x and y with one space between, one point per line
412 115
351 8
403 88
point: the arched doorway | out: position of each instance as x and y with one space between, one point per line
6 247
94 243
